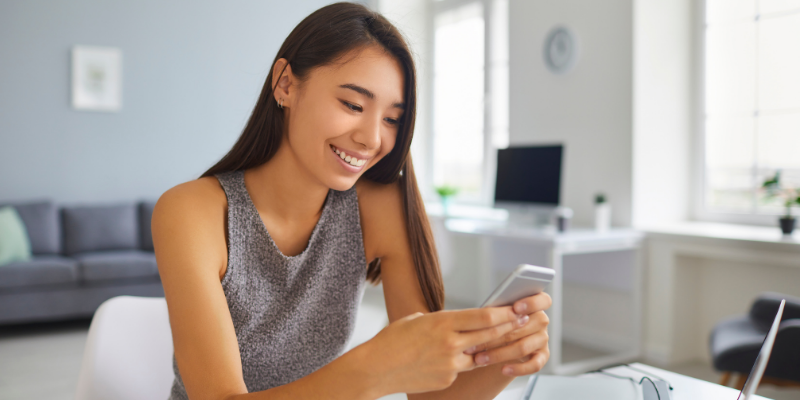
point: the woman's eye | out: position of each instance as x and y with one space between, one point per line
351 106
392 121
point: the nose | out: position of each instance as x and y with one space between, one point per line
369 133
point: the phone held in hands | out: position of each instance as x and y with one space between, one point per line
526 280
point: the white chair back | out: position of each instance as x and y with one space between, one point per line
369 321
128 354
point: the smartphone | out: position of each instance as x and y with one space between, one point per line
526 280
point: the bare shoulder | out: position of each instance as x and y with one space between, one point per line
203 192
191 216
189 238
193 204
382 217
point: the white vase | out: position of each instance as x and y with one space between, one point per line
602 217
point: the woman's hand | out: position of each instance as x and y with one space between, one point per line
525 349
425 352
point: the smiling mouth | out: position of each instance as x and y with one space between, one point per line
347 158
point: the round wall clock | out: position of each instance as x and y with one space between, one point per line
560 50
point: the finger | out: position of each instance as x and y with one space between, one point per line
469 340
481 318
464 363
532 304
532 366
538 321
513 351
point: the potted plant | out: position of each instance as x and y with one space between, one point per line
602 213
446 193
788 196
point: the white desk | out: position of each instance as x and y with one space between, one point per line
505 245
685 388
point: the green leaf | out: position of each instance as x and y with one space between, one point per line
773 182
446 191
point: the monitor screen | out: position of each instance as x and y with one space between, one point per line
529 175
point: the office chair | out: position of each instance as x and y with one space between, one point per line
735 342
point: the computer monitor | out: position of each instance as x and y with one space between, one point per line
529 180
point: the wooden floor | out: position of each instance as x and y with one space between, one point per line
42 361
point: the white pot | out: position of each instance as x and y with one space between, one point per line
602 217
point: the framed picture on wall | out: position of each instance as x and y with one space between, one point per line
96 78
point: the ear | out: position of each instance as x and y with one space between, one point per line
283 81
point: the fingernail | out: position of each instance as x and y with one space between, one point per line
520 308
481 359
508 370
522 321
471 350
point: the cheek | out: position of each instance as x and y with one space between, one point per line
388 140
315 123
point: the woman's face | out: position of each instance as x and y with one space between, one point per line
344 118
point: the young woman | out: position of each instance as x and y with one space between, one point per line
264 258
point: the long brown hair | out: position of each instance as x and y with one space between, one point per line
321 39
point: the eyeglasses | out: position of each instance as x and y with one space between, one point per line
651 390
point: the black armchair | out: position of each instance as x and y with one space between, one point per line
735 342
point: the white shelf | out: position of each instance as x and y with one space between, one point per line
720 231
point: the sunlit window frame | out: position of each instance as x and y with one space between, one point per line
701 212
486 196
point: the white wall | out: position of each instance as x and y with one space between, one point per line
663 110
588 109
192 71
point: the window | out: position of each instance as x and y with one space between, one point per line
470 94
752 102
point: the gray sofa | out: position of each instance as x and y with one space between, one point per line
82 256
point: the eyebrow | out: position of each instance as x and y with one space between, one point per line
364 91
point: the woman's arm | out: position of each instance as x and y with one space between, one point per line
189 235
524 349
189 223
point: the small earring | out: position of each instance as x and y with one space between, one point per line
280 103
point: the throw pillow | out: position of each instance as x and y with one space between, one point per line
14 242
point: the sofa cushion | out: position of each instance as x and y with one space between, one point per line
41 222
116 265
145 215
14 243
99 228
40 270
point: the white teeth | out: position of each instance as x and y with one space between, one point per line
349 159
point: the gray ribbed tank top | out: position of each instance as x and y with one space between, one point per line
292 315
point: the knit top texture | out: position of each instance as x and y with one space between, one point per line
292 314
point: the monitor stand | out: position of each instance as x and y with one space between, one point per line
528 215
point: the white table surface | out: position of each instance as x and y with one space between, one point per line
685 387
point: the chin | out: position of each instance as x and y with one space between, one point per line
341 183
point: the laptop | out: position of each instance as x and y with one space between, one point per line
547 387
751 384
